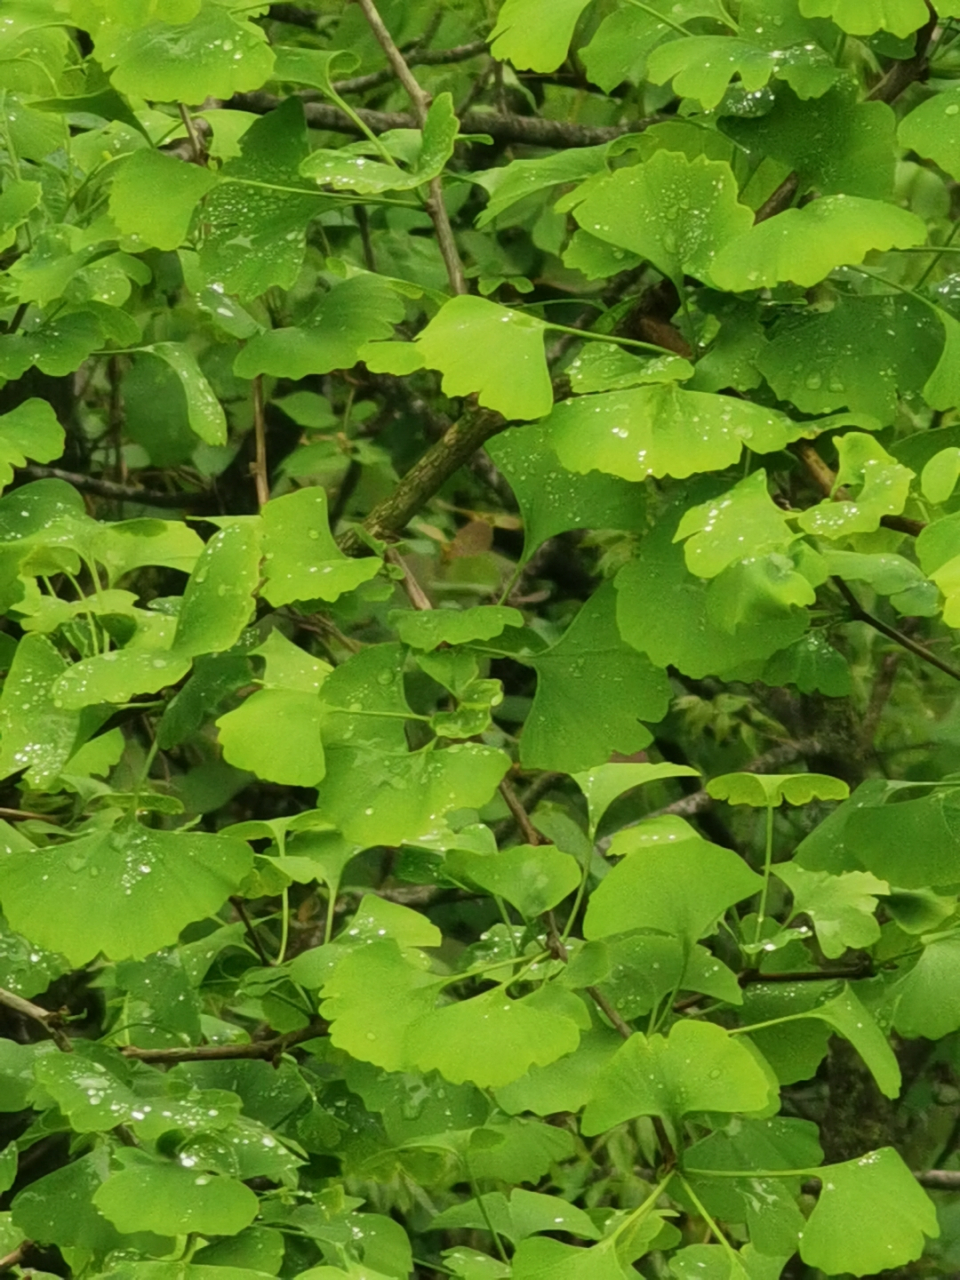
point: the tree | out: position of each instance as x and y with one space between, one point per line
478 733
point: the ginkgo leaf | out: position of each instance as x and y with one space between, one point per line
939 477
426 629
513 182
675 212
805 245
167 1197
482 347
601 366
663 430
330 337
928 995
870 1216
204 411
698 1067
942 389
218 599
535 34
767 790
680 888
744 521
533 878
118 676
18 200
576 721
160 222
864 17
933 130
31 430
301 559
35 733
842 908
884 488
124 892
703 67
275 734
546 1259
603 785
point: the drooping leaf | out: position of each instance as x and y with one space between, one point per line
159 221
204 411
942 388
592 691
928 1003
515 181
603 785
533 34
677 213
35 733
218 599
124 892
301 559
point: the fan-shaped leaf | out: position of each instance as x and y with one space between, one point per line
301 559
864 17
767 790
535 34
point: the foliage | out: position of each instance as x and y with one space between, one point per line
478 732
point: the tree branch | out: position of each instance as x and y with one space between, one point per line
435 205
859 614
122 492
16 1256
49 1021
389 517
259 465
225 1052
519 813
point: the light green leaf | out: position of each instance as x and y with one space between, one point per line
603 785
214 55
933 130
942 389
928 995
681 888
743 521
768 790
482 347
429 628
858 355
593 689
535 34
675 212
31 430
275 734
132 544
118 676
842 908
805 245
35 733
124 892
553 499
563 1085
939 477
542 1259
301 559
850 1019
218 599
330 337
813 665
204 411
513 182
166 1197
489 1039
698 1067
18 200
532 878
914 844
663 430
153 197
601 366
864 17
870 1216
622 42
702 67
884 488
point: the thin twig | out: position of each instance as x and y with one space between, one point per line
241 910
197 151
423 57
225 1052
609 1012
414 592
122 492
436 208
22 815
860 614
534 793
49 1021
258 467
529 832
752 977
14 1258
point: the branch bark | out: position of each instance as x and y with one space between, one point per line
122 492
859 614
225 1052
49 1021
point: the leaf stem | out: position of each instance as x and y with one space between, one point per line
767 865
721 1238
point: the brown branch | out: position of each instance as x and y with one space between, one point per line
415 58
22 815
779 199
49 1021
751 977
520 816
428 473
530 131
435 206
198 152
225 1052
122 492
414 592
16 1256
258 468
241 910
826 481
537 789
859 614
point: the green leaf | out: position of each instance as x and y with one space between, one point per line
153 197
275 734
663 430
165 1197
698 1067
513 182
592 690
428 628
330 337
813 665
489 1039
927 995
603 785
682 889
913 844
743 520
31 430
218 599
842 908
563 1085
622 42
805 245
214 55
933 130
857 355
942 389
533 878
850 1019
118 676
124 892
553 499
601 366
702 67
768 790
302 560
939 477
18 200
533 34
539 1259
884 488
482 347
870 1216
35 733
677 213
863 17
204 411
